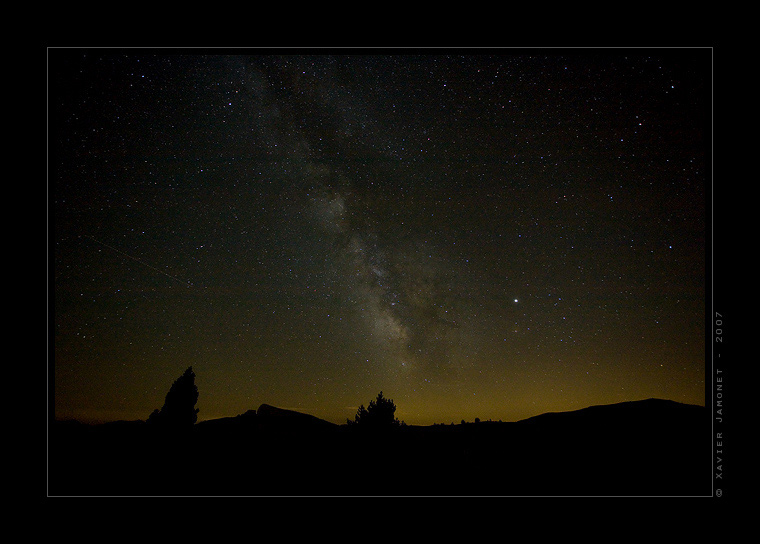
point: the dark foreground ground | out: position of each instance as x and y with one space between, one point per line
647 448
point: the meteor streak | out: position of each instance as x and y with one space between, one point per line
139 261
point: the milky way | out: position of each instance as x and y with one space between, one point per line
397 288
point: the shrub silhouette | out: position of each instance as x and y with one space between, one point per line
179 406
379 414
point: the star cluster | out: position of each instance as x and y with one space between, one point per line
477 235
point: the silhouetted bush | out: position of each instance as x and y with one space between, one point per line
179 406
379 414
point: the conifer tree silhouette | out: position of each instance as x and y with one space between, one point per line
179 406
379 414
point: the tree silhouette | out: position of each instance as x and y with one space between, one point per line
179 406
379 414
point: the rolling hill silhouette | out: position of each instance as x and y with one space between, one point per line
630 412
268 417
648 447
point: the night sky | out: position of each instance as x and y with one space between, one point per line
491 234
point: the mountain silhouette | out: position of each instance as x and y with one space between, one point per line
247 419
630 412
649 447
271 415
645 447
265 421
